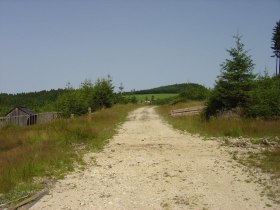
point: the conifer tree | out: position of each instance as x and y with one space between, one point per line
276 45
235 81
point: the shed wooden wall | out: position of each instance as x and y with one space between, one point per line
18 117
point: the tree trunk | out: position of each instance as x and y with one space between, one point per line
276 65
279 66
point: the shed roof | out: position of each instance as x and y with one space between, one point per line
23 109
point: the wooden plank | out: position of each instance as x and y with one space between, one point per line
187 111
190 109
30 200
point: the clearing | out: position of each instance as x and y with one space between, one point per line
141 98
149 165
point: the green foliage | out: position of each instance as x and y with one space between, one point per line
276 40
4 109
215 126
194 92
265 98
37 101
132 99
276 45
235 82
97 96
103 95
172 94
119 99
72 102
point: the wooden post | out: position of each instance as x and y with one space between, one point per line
89 113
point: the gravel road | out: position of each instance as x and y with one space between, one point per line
149 165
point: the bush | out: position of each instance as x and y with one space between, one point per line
103 95
264 99
72 102
97 96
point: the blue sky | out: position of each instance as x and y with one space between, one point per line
142 43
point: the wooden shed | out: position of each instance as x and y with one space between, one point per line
21 116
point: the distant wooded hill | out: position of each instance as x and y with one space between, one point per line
176 88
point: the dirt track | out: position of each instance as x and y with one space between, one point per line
149 165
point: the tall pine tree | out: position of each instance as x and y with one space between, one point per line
235 81
276 45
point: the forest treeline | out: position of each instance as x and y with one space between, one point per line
96 95
262 100
39 101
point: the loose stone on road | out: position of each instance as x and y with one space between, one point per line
149 165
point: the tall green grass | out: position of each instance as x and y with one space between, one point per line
234 127
49 150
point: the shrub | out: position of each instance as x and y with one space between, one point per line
97 96
264 99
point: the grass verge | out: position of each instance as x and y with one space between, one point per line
268 161
50 150
219 126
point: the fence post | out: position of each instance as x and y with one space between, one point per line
89 113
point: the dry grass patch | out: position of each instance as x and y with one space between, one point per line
50 150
